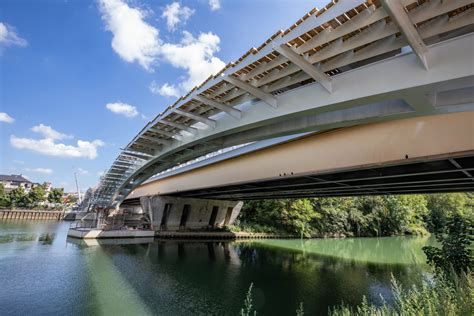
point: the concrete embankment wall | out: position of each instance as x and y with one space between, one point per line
32 215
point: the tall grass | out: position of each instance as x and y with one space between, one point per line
453 295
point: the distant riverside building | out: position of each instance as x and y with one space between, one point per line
11 182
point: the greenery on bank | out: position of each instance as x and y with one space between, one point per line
449 292
36 197
355 216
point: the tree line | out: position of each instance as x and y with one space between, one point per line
356 216
19 198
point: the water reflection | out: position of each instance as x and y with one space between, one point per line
55 275
47 238
190 272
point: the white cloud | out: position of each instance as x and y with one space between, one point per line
215 4
49 132
40 170
124 109
196 56
48 146
82 171
134 40
137 41
4 117
176 14
9 37
165 90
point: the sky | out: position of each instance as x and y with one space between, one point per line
79 78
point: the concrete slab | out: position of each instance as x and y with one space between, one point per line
99 233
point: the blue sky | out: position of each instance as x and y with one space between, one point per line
78 78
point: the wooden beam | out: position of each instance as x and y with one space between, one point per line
196 117
318 75
256 92
397 12
223 107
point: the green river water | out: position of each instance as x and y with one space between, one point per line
44 273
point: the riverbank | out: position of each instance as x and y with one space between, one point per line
32 215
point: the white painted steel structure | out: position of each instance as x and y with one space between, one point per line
350 63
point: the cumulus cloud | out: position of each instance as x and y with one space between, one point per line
195 55
40 170
9 36
4 117
176 14
124 109
49 132
166 90
133 40
48 145
215 4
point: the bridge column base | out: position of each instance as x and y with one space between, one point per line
169 213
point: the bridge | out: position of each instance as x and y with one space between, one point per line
363 95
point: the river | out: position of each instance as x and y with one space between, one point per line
44 273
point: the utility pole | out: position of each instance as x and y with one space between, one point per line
77 188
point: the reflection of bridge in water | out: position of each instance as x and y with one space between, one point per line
211 278
386 86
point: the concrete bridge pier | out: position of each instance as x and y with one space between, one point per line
169 213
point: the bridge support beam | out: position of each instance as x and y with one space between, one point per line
168 213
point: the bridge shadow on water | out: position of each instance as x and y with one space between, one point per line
168 277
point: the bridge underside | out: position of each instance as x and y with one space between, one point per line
429 154
451 174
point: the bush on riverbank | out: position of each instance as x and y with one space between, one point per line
444 296
36 198
354 216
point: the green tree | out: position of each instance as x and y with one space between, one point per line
56 195
37 195
441 207
455 251
296 214
4 197
18 197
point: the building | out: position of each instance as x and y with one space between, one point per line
11 182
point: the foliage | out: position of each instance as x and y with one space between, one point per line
442 206
4 197
71 199
18 197
300 310
56 195
248 309
455 252
343 216
36 195
444 296
248 306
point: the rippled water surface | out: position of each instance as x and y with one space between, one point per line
44 273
